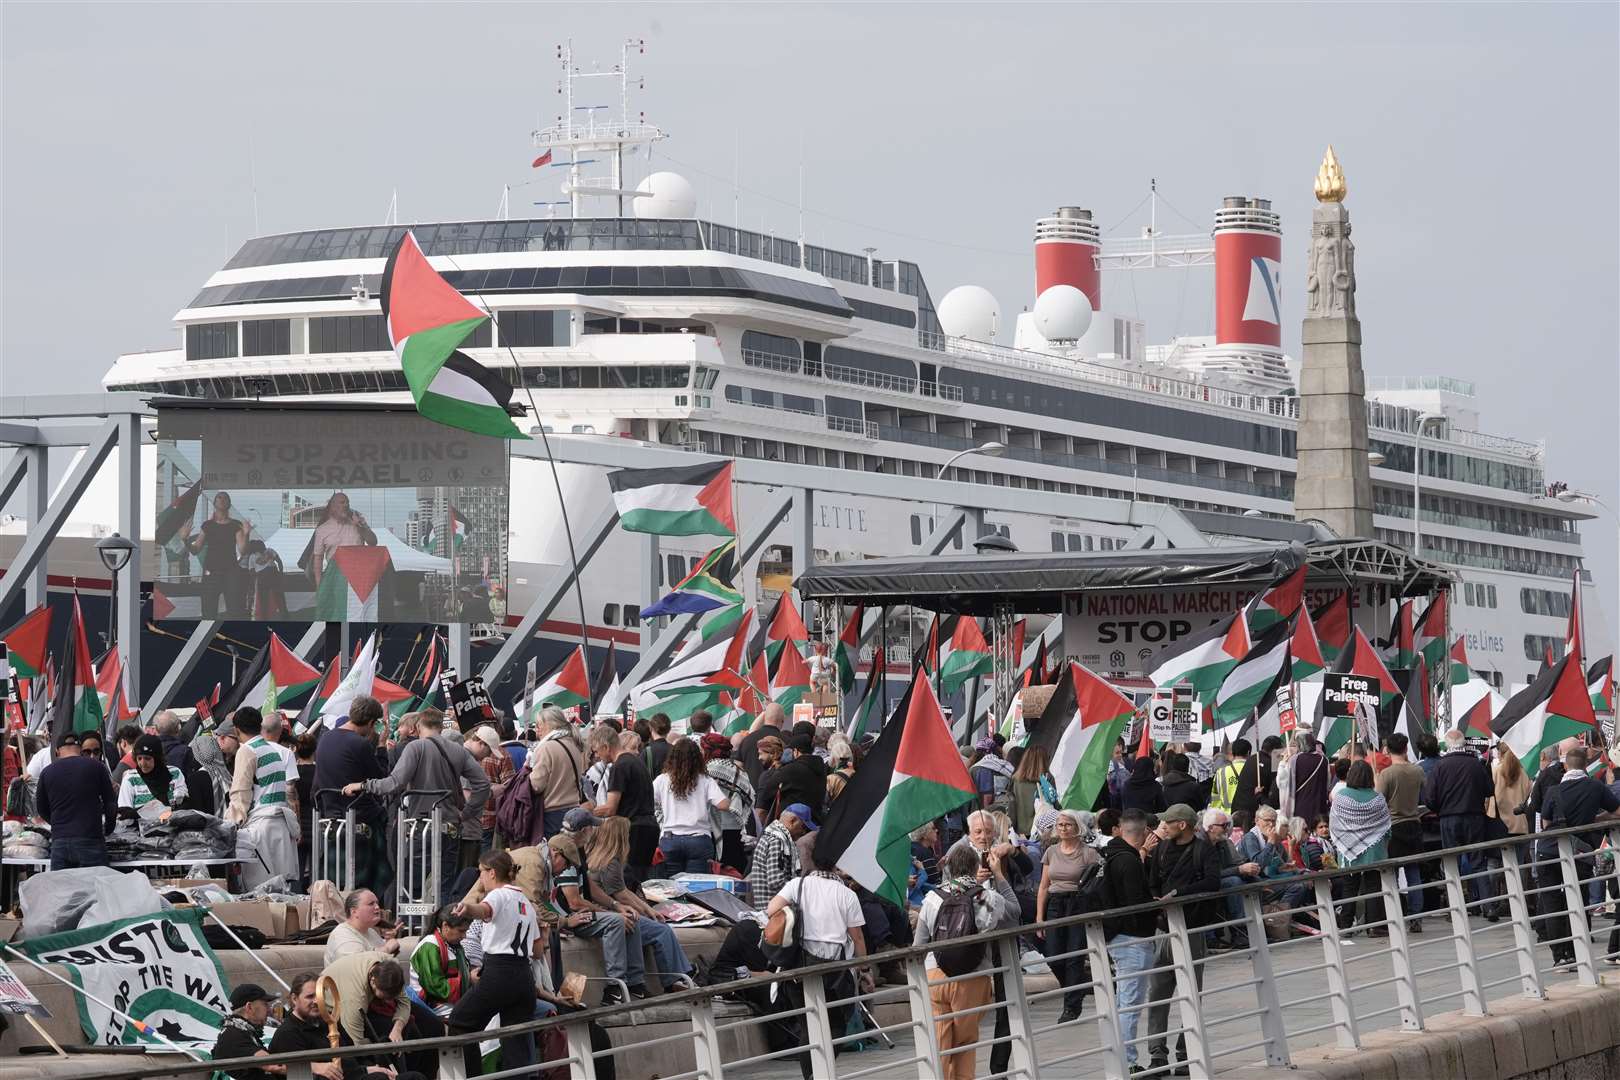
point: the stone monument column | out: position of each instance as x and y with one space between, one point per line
1332 478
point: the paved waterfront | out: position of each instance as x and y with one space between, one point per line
1367 965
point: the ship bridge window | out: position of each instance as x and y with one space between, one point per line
883 313
533 329
1544 602
268 337
210 341
348 333
1538 647
772 351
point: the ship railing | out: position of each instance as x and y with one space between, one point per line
1466 521
875 380
867 429
1064 372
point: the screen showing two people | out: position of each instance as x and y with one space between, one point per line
328 515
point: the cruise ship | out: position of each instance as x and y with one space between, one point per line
630 317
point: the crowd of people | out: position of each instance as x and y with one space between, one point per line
554 831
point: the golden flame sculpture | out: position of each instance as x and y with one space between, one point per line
1330 179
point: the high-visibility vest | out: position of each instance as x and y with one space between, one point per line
1225 787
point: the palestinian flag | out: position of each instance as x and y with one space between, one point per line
1554 707
1249 680
395 700
1600 684
710 585
1402 637
1204 659
162 607
1572 633
1416 713
785 625
430 673
1020 631
1083 720
1358 658
427 322
791 683
927 658
311 713
459 531
704 668
1429 638
689 500
1280 600
202 711
249 687
1306 648
174 517
606 686
1037 674
912 775
110 691
747 702
1333 626
75 706
288 676
1473 704
967 657
868 714
567 684
348 591
1460 671
849 649
28 643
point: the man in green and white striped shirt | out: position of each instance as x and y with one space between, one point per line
263 799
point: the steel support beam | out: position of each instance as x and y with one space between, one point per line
653 657
460 640
202 635
12 476
36 501
650 585
44 530
804 542
128 617
546 600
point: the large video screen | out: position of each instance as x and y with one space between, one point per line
281 512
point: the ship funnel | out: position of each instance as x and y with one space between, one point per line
1248 261
1066 253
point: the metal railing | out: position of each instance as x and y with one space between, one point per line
1264 1000
874 380
419 842
331 850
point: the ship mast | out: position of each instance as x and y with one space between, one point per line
591 138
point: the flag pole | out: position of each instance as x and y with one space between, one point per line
140 1026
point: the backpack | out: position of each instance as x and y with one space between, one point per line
782 940
515 814
957 918
1093 887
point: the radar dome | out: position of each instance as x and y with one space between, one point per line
970 311
1062 313
670 197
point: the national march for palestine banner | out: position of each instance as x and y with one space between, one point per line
157 969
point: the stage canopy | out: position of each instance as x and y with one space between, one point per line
1036 582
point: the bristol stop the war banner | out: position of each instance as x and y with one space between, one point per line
366 515
157 969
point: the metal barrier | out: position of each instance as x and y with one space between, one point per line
1258 1001
419 844
331 849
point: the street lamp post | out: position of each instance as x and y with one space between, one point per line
115 552
1568 496
1417 483
989 449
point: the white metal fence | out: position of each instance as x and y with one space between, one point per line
1257 1002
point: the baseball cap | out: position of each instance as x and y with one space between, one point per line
580 818
249 992
1178 812
70 738
802 812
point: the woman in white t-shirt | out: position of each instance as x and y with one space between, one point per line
682 795
511 940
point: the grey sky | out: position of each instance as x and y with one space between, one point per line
1479 142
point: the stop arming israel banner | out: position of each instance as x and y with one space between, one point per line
157 969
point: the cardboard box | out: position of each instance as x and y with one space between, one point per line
272 919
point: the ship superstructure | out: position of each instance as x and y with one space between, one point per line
625 315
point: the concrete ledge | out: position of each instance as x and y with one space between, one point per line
1572 1035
